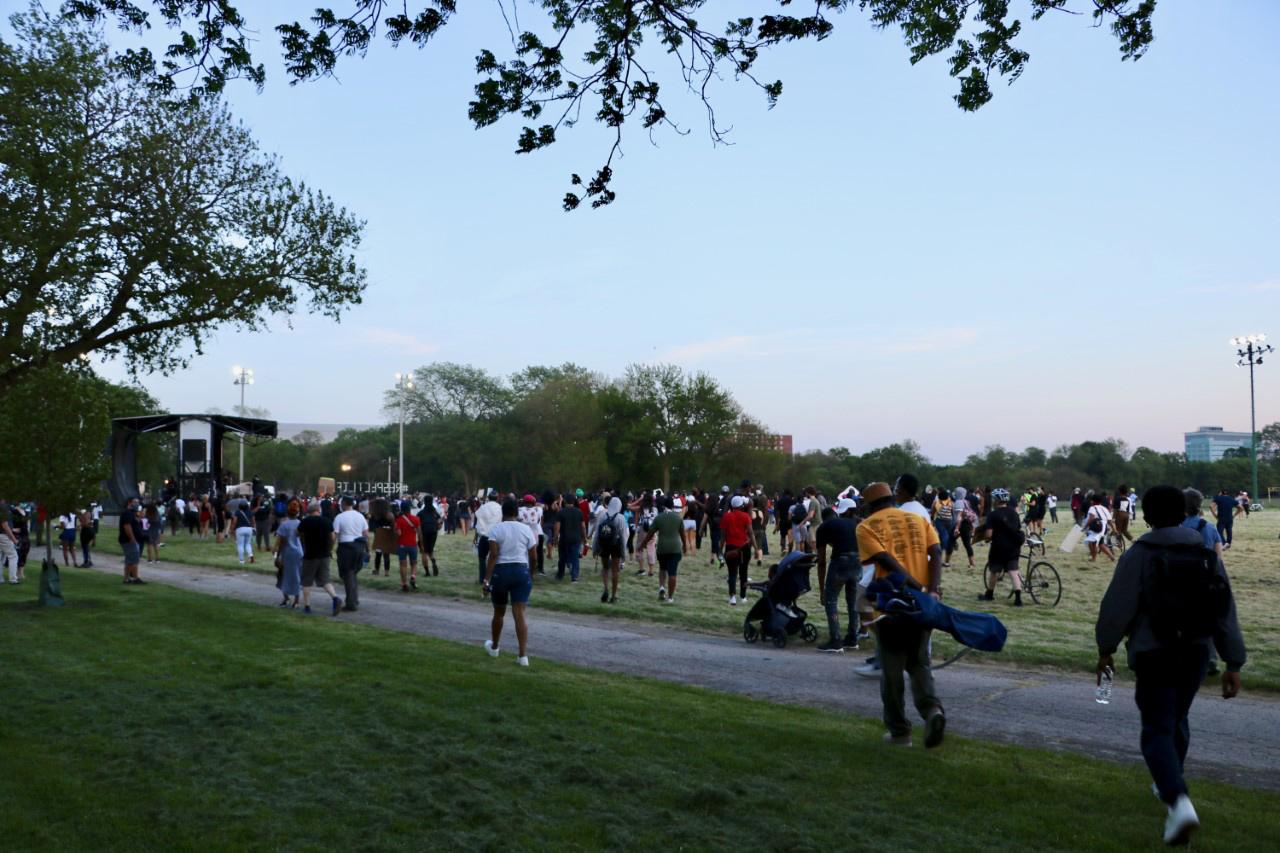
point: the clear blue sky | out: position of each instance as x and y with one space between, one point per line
865 264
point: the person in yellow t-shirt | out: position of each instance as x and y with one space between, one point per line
896 541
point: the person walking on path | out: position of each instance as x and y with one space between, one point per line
487 516
87 536
316 534
609 541
289 555
513 549
903 545
242 521
668 529
1170 598
407 529
570 529
352 532
67 538
838 536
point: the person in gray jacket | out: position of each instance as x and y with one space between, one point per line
1168 674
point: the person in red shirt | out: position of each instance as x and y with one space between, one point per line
735 533
407 547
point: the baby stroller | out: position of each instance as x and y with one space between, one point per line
775 611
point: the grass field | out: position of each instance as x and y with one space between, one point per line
1060 637
152 718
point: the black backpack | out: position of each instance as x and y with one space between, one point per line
607 535
799 512
1184 595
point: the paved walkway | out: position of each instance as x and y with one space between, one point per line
1236 741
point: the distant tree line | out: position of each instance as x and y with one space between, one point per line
657 425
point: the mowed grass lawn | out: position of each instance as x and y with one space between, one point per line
153 718
1061 636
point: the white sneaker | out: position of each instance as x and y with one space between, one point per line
1182 821
523 660
491 648
671 600
733 599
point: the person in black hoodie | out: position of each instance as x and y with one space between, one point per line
1170 599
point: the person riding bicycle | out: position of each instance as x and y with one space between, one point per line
1003 527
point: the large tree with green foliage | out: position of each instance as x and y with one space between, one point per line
54 425
609 58
134 223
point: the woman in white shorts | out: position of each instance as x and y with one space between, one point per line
690 532
1096 522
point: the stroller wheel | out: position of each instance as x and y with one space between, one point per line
809 633
749 632
780 640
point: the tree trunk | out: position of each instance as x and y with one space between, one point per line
666 477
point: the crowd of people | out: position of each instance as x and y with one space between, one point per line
898 532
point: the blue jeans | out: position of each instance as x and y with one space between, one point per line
944 534
1167 681
842 574
1224 528
571 556
510 580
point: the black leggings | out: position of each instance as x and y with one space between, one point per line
380 559
736 561
966 537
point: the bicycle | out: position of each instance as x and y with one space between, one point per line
1039 579
1115 541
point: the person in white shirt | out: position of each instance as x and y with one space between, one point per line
906 489
513 547
531 515
1096 522
488 516
67 538
1052 503
352 531
609 541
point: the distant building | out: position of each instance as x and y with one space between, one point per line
1210 443
767 441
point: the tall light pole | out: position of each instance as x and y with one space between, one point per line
243 376
1251 349
404 383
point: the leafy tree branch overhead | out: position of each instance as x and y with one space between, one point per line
616 80
133 224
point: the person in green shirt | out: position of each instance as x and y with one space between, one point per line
669 528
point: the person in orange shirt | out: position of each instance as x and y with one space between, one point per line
901 543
